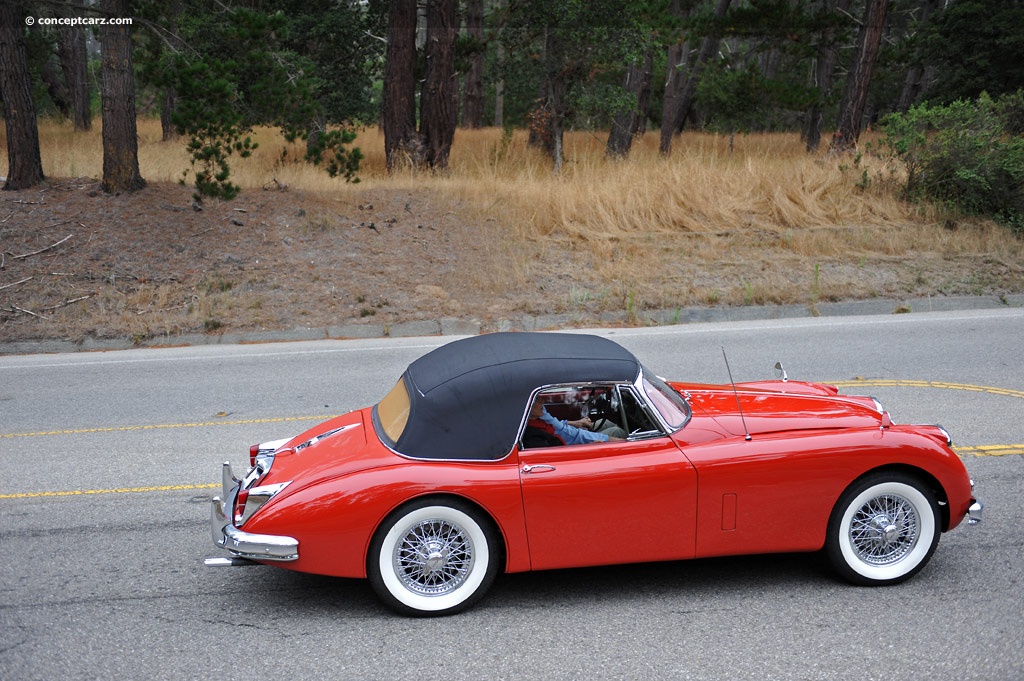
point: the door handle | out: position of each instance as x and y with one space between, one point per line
540 468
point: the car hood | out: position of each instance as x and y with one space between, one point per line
335 447
797 406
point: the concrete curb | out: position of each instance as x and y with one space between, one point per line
453 326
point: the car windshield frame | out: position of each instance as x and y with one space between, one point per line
668 404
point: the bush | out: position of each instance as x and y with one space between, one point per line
968 155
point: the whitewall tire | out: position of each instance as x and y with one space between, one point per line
433 557
883 530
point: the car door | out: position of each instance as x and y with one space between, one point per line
607 503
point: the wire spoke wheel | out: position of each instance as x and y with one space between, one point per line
883 529
433 558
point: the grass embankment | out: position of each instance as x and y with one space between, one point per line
765 222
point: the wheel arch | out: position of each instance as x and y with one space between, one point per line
441 498
917 472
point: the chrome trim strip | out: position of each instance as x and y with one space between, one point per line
273 445
322 436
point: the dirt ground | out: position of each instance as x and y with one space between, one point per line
76 264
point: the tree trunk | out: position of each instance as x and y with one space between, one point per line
855 96
825 59
439 98
547 119
473 107
401 142
499 85
168 106
919 74
674 82
626 124
24 166
120 137
56 88
684 102
74 63
169 100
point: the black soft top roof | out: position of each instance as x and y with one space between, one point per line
468 398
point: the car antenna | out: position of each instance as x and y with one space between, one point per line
735 392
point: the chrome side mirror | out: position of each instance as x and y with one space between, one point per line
780 372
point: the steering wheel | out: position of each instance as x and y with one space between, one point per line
599 408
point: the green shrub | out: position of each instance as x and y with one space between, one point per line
968 155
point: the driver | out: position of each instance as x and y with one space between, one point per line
544 430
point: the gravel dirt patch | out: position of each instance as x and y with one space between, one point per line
149 266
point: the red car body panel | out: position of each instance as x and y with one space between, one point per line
334 516
514 452
775 493
704 491
602 504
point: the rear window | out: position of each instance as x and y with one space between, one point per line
393 411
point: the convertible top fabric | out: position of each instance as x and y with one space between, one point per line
468 398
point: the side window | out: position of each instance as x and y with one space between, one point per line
574 415
638 421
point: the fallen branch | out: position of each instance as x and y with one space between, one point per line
41 250
15 283
68 302
30 312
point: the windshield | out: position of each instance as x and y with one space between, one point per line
670 404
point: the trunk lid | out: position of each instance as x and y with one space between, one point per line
335 447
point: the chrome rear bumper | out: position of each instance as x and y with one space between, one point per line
246 544
240 544
974 513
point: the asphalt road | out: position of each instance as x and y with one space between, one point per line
109 460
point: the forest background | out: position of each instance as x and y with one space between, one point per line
385 161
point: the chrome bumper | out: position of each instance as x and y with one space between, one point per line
240 544
974 513
246 544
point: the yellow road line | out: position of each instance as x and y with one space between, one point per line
859 382
990 450
902 383
161 426
117 490
978 451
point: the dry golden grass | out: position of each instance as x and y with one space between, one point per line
766 184
764 222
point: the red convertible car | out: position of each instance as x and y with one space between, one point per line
511 452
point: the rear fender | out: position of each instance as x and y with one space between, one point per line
335 519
